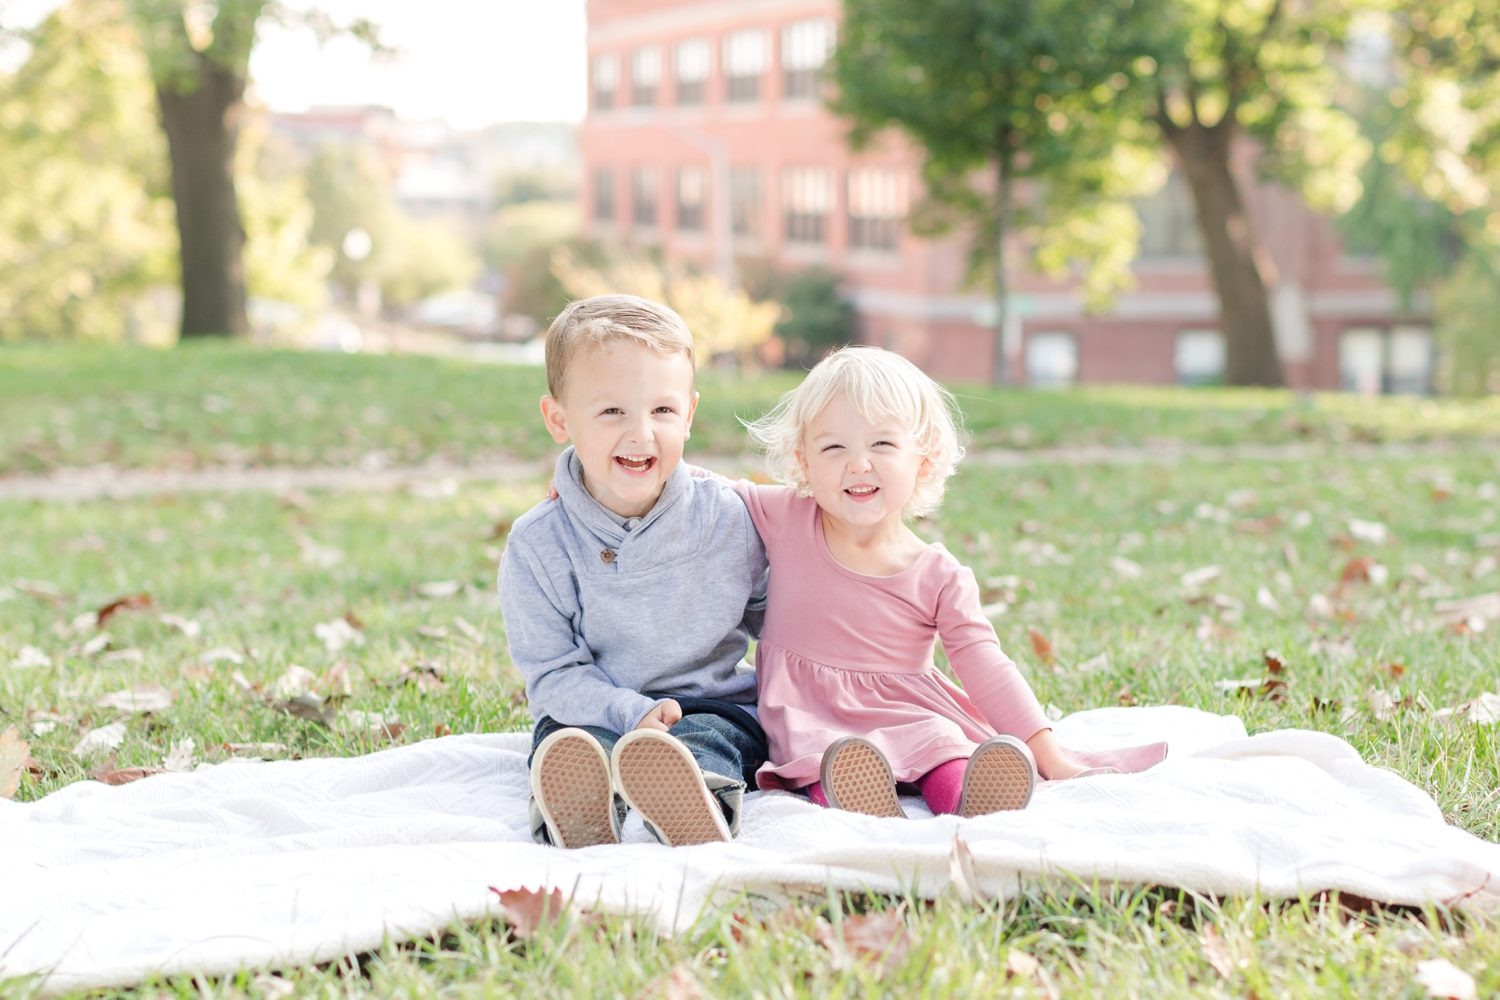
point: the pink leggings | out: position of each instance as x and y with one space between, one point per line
941 788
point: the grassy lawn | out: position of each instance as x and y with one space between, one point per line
216 404
1089 558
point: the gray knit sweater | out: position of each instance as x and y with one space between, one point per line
669 609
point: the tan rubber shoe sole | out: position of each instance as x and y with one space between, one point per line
856 777
658 778
570 780
1000 776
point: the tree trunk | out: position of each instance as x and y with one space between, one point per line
202 126
1244 310
1000 371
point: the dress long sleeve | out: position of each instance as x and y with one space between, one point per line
990 678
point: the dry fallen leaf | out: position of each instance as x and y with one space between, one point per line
527 909
440 588
104 738
124 775
1042 646
131 602
14 753
1444 979
296 681
679 984
1215 951
470 632
187 626
141 698
878 937
179 759
1357 570
337 633
1020 963
222 653
30 656
307 706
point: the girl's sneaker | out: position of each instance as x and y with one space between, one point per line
658 778
1001 775
856 777
571 788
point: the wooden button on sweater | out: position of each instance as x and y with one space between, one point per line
608 555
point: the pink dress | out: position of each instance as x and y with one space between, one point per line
845 654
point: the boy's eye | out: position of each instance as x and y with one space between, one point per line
612 411
665 409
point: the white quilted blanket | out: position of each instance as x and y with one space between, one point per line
250 865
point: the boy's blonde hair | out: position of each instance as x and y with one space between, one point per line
881 385
586 324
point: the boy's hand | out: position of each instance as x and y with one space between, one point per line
664 716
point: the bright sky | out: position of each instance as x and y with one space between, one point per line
473 62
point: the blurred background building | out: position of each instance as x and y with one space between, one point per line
706 137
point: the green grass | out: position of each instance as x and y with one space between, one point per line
226 404
239 565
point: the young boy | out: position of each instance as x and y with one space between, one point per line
629 595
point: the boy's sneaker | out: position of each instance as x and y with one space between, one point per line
570 786
1001 775
658 778
856 777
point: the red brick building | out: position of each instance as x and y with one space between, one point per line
706 136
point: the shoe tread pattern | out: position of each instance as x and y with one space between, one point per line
576 794
860 781
668 791
998 779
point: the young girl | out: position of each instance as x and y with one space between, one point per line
850 697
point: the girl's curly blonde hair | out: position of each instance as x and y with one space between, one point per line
881 385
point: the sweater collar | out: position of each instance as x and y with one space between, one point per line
567 479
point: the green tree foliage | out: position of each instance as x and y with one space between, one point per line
815 316
1022 88
85 220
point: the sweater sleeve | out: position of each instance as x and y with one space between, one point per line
990 678
562 680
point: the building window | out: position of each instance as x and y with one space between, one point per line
1169 221
604 195
877 204
1372 361
1051 360
805 198
645 74
744 200
1198 357
692 70
804 49
744 62
690 188
606 80
645 188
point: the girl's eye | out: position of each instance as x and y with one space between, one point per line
832 447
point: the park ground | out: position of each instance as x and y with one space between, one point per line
1342 530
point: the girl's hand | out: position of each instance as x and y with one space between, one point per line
665 715
1050 762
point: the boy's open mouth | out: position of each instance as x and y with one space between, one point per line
636 463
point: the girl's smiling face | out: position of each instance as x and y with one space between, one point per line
862 472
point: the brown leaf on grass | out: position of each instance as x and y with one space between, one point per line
1259 526
1127 697
441 729
1215 952
309 707
1042 647
131 602
14 756
41 590
500 529
124 775
354 620
427 675
141 698
1275 662
1357 570
528 909
878 937
679 984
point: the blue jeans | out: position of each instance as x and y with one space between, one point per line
725 740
